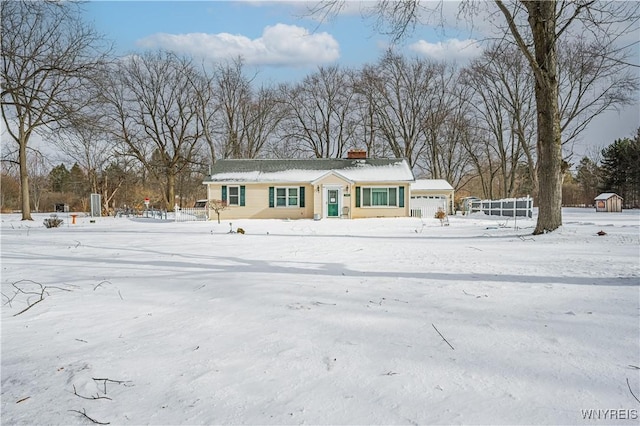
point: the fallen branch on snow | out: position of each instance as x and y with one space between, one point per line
434 327
634 395
84 413
118 382
41 292
97 396
100 284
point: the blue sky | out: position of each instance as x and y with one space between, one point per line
280 38
285 43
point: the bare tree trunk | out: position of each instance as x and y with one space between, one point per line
24 177
171 190
550 161
544 63
542 22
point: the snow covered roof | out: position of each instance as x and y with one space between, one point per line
309 170
606 196
430 185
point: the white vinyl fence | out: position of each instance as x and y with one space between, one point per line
509 207
191 214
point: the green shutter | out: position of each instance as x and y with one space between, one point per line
242 192
357 196
401 196
366 197
393 196
301 195
224 193
271 197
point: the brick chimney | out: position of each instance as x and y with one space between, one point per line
357 154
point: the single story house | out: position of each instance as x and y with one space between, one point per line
355 187
432 194
608 202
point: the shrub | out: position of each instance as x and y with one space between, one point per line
53 222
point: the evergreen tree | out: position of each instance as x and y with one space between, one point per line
621 170
588 177
78 183
59 178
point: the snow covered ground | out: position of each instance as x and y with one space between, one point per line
321 322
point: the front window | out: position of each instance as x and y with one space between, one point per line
234 196
379 197
287 197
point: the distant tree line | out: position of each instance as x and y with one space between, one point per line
149 124
616 169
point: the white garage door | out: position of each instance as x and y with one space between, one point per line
427 206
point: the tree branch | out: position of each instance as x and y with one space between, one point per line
434 327
518 37
84 413
89 397
632 391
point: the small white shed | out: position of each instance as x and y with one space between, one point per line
608 202
431 194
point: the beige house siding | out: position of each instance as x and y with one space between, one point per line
315 197
366 212
329 184
257 202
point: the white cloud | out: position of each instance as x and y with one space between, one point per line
452 49
280 44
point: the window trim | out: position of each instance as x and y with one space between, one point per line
363 199
229 203
287 197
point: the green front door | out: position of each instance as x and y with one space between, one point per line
332 203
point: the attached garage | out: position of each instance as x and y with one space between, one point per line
429 195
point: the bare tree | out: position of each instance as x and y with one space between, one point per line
500 94
319 118
408 107
481 157
207 109
594 77
48 53
237 121
538 39
156 107
232 92
217 206
87 143
261 117
445 127
39 169
537 28
365 111
111 179
10 184
455 165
